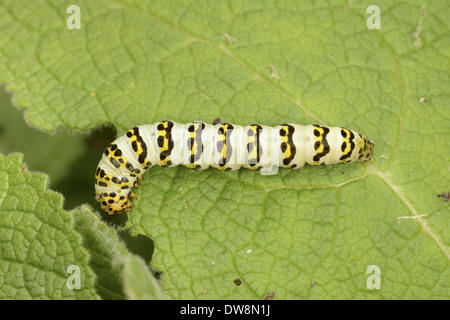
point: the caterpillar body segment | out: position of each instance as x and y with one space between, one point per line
224 146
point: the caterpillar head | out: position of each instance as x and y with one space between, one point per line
113 203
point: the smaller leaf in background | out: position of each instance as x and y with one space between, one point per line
139 282
120 274
37 243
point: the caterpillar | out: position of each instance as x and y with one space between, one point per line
224 146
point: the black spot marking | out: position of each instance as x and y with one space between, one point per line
129 166
344 146
168 136
134 146
259 149
160 141
225 130
114 162
317 145
323 141
290 142
196 140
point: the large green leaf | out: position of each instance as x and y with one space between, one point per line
305 234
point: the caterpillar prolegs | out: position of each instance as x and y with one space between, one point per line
223 146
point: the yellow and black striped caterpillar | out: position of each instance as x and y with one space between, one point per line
223 146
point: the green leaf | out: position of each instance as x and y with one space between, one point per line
75 152
37 243
18 136
301 234
120 274
139 282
